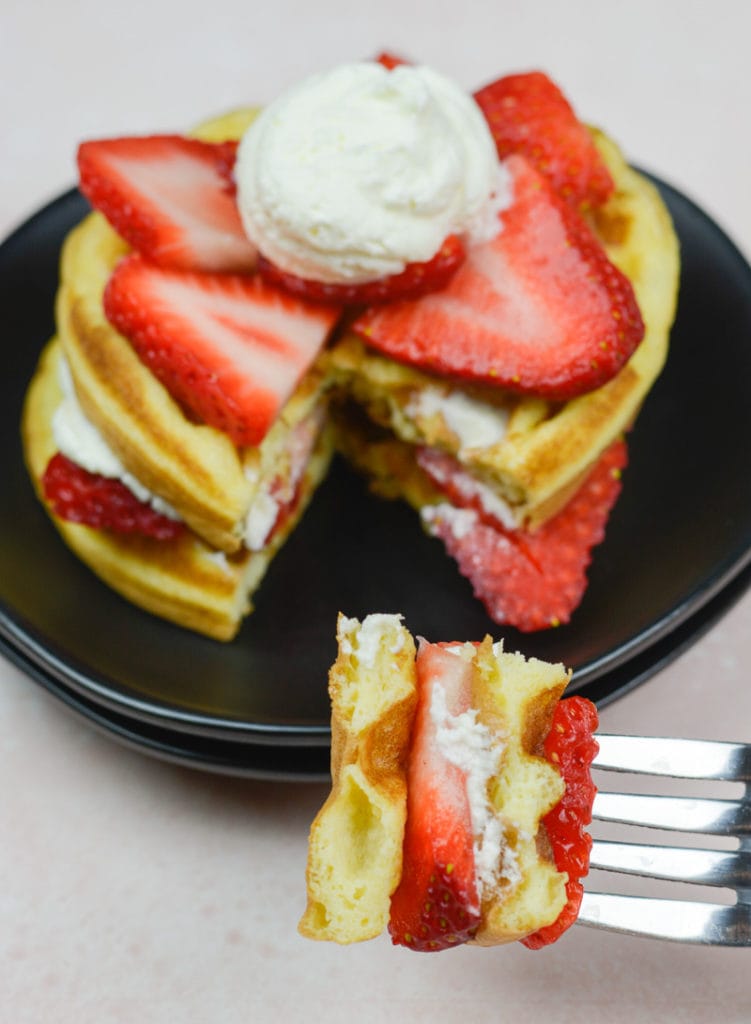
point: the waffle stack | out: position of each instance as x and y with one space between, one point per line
523 458
205 577
492 471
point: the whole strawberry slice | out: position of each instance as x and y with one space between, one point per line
538 309
102 502
416 279
533 579
528 114
229 348
170 197
436 903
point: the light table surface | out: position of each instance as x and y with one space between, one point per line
135 890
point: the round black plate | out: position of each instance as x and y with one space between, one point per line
286 762
679 533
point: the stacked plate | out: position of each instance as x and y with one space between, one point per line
676 556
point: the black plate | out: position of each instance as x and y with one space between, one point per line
285 762
680 532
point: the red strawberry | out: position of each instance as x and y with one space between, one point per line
529 114
101 502
229 348
416 279
436 904
390 60
170 197
463 489
534 580
572 747
539 309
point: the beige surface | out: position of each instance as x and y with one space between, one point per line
133 890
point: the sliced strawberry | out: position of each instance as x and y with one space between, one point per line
104 503
436 904
534 580
390 60
171 198
539 309
528 114
463 489
416 279
286 489
229 348
571 746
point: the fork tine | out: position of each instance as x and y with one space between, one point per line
729 868
708 924
679 758
687 814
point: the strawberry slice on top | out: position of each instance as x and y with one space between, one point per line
416 279
228 347
538 309
528 114
436 904
171 198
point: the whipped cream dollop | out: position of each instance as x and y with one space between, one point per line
357 171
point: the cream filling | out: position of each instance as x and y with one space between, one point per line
460 520
272 491
369 635
78 439
475 424
468 744
434 463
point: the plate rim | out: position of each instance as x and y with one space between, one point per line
97 687
164 744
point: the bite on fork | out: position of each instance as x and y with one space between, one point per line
680 920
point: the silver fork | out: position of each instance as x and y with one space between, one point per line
666 918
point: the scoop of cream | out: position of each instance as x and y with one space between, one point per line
357 171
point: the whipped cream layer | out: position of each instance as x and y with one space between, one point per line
369 636
476 751
475 424
358 171
80 441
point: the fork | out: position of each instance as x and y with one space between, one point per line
674 919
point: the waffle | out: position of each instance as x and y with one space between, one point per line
195 468
547 447
356 840
184 580
354 857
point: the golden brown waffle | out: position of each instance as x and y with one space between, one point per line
184 580
516 698
547 448
195 468
354 856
